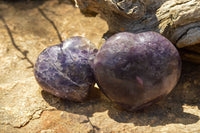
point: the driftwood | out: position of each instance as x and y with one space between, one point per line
178 20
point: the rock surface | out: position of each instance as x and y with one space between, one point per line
29 27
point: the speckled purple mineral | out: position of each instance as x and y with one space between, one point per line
64 70
139 68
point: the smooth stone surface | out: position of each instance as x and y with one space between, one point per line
140 68
64 70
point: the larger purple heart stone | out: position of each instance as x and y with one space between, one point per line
136 70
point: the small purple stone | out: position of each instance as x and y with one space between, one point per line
64 70
137 70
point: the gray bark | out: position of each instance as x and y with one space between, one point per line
178 20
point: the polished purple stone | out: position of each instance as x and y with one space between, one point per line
64 70
136 70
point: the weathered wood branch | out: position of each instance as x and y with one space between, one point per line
178 20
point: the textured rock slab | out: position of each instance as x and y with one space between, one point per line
25 108
20 102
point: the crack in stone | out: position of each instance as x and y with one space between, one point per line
31 117
94 128
51 22
185 33
25 52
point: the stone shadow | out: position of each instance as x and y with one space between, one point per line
188 89
96 102
29 4
168 111
23 52
51 22
23 4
